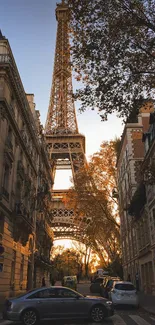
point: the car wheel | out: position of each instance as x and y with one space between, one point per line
97 314
30 317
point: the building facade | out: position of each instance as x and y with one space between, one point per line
25 181
133 203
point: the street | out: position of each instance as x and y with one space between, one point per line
123 316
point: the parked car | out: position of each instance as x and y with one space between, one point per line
56 303
70 281
124 293
106 286
95 285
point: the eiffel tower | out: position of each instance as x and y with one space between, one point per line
66 146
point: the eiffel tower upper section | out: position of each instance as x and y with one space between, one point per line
65 145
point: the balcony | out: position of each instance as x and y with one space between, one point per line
23 223
22 211
138 201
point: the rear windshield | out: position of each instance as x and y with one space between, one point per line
124 286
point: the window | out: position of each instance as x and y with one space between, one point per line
109 283
10 134
13 265
124 286
64 293
21 268
43 294
6 177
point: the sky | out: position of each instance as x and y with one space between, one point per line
30 26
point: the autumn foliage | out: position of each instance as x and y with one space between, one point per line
113 52
92 199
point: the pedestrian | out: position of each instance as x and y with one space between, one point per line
43 282
129 278
137 281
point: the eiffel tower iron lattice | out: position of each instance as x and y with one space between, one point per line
66 146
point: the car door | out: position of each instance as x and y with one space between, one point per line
71 304
45 302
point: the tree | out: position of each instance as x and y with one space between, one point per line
113 54
85 253
115 268
92 199
66 262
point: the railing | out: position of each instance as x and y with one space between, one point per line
4 58
21 210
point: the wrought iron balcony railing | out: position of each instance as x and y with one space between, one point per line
22 211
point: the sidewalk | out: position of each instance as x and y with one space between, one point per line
147 302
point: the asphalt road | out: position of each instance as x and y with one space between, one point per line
123 316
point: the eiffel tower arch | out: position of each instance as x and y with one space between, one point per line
66 146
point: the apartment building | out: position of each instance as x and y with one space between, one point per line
25 181
133 207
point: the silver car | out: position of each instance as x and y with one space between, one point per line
56 303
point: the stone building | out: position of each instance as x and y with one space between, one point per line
25 181
133 203
148 172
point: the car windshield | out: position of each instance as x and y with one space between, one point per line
125 286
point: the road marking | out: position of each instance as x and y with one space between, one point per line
139 320
118 320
